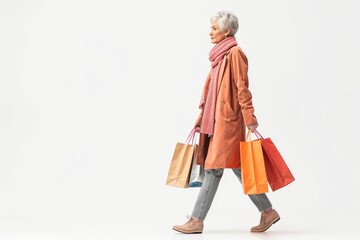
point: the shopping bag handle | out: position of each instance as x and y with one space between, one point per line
191 136
248 136
258 135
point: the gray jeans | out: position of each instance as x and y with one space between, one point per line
208 190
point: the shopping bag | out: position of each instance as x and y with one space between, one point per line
253 173
278 173
197 171
181 163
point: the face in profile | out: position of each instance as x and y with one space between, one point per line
216 34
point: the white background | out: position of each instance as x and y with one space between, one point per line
94 96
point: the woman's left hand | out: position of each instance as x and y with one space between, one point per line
253 127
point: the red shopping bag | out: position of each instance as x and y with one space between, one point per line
277 172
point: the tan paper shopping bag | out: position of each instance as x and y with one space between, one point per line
181 163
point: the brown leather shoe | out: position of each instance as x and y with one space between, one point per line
267 219
192 226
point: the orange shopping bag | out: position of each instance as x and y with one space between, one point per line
253 173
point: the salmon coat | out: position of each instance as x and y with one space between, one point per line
234 111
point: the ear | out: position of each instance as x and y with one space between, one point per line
227 32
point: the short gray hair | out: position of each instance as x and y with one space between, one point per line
226 20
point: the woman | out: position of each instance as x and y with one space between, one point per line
226 111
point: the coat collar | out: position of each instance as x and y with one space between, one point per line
221 72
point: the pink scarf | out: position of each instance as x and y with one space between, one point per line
208 99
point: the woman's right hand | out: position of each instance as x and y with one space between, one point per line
198 122
197 129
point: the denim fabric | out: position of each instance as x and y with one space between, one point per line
209 188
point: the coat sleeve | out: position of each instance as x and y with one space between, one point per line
239 70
